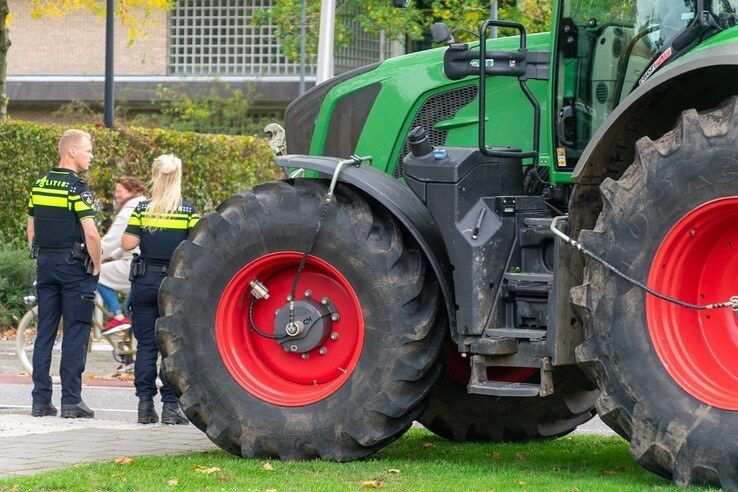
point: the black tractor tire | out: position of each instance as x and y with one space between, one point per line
454 414
399 297
671 432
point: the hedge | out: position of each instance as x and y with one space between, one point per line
215 166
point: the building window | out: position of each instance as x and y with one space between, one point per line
218 37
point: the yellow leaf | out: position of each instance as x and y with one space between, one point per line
608 473
522 484
495 454
270 490
428 445
267 466
372 484
394 470
124 460
172 482
223 478
206 470
520 457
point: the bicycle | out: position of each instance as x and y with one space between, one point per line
121 340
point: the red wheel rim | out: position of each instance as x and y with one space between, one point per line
698 262
260 365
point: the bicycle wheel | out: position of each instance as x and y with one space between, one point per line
26 338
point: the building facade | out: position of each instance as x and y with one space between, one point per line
54 61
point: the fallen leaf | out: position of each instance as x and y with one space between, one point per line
394 470
520 457
608 473
207 470
267 466
172 482
123 460
270 490
16 488
522 484
495 454
428 445
372 484
223 478
575 489
78 465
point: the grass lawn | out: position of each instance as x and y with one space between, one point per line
418 461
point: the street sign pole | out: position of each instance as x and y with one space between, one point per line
325 42
109 63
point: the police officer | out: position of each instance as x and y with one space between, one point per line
157 226
63 236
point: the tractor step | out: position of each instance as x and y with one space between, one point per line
501 388
529 283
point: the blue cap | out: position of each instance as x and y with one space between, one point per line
439 154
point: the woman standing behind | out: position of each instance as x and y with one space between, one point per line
157 226
116 260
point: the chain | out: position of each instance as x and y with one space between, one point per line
732 303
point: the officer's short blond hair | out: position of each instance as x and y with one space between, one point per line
70 138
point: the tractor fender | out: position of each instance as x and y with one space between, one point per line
401 202
701 80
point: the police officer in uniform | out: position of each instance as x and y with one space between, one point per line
157 226
63 237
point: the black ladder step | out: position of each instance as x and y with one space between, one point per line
529 282
501 388
520 333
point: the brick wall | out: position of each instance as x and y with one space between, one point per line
75 45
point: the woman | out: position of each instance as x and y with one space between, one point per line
116 260
157 226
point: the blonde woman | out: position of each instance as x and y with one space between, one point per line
157 226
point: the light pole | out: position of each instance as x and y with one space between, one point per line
493 16
109 63
303 21
325 42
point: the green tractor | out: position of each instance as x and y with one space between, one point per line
433 275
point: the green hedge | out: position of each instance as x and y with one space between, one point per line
215 166
17 274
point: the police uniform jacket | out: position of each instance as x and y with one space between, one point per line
161 234
58 202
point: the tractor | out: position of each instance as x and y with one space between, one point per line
498 239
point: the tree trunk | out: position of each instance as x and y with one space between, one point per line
4 45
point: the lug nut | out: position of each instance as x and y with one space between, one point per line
334 336
305 356
324 301
308 293
323 351
293 348
334 317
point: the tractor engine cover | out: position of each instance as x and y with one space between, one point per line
312 327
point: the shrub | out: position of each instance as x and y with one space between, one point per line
17 273
215 166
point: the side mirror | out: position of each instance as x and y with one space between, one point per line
441 33
400 4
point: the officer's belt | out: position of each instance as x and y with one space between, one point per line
60 249
157 267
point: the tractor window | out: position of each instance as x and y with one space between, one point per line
604 48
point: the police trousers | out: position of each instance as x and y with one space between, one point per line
144 312
63 288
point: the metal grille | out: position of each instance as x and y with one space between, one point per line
437 108
218 37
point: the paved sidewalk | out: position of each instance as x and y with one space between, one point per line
33 445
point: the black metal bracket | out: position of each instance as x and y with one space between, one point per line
513 64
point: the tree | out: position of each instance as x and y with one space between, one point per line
375 16
134 15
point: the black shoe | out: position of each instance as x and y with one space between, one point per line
172 414
42 409
80 410
146 412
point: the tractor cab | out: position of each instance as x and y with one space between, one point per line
604 50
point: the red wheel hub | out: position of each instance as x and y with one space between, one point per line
261 365
698 262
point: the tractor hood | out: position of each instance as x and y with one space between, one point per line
377 102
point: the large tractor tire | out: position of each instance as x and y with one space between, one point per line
454 414
669 374
361 386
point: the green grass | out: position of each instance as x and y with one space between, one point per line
418 461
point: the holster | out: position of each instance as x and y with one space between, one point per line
79 252
33 252
138 267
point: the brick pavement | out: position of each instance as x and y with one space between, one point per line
63 443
